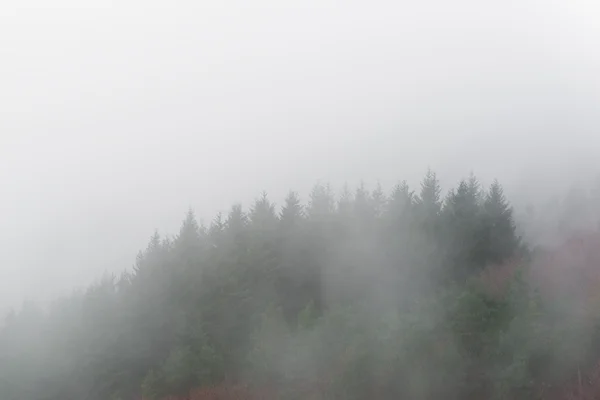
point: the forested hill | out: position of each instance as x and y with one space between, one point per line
363 294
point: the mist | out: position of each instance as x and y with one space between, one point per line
116 118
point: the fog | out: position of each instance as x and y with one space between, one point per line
117 117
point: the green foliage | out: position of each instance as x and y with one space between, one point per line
185 367
371 296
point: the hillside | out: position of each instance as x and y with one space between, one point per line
358 295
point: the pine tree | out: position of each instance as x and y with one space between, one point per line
262 216
399 205
379 201
215 231
236 225
294 246
292 212
427 208
321 203
429 203
344 204
363 207
188 246
151 258
500 229
462 204
474 189
398 221
320 228
462 223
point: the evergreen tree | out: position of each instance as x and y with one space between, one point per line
263 225
463 223
294 257
151 259
216 230
474 189
399 207
320 228
321 203
500 229
236 225
345 202
429 203
292 212
426 239
364 209
400 231
379 201
262 215
188 246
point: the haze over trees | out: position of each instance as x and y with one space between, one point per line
118 116
412 293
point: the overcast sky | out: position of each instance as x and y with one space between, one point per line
115 118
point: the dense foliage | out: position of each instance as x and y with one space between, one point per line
364 295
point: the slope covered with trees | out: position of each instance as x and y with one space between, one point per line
363 295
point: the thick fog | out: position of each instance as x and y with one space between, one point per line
115 117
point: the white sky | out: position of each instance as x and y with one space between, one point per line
117 116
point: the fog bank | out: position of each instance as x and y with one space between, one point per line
115 118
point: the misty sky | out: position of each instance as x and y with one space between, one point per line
115 118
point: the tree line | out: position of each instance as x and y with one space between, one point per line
356 295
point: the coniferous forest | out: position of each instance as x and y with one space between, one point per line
408 293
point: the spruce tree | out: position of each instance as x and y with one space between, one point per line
321 203
500 229
429 201
263 226
345 202
364 210
426 238
149 260
399 206
188 246
236 225
294 258
462 223
292 212
262 216
379 201
215 231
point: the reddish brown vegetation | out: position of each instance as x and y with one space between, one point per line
571 273
495 279
574 267
568 274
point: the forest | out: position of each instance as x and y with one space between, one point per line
412 293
